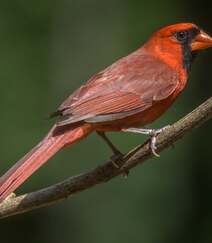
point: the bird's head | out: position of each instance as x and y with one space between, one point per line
177 43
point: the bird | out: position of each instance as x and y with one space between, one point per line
124 97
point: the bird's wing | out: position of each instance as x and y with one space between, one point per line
127 87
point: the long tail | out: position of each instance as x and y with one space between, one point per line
33 160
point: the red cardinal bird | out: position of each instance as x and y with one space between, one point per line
129 94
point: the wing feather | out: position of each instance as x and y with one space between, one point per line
127 87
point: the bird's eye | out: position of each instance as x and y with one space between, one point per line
181 36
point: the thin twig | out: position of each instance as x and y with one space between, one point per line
73 185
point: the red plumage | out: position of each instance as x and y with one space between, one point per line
132 92
34 159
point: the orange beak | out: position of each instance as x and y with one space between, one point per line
202 41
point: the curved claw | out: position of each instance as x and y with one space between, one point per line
153 134
153 146
153 141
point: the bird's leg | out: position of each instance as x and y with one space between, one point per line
151 132
117 155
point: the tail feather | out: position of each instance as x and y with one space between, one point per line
33 160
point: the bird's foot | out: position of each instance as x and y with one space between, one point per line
118 157
153 138
152 133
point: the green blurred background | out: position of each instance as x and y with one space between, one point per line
47 49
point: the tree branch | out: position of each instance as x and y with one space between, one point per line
73 185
